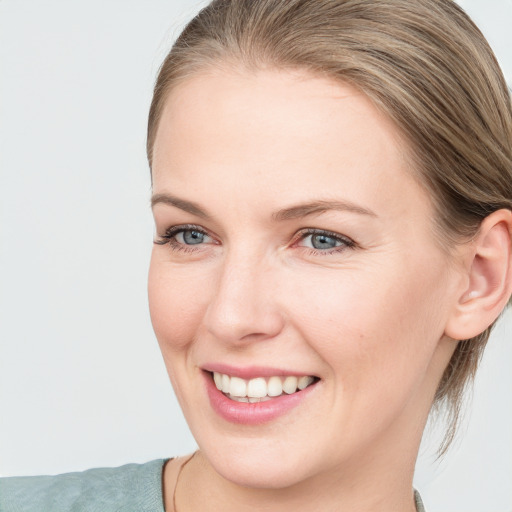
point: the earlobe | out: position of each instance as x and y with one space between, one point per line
489 278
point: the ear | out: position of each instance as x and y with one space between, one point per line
488 279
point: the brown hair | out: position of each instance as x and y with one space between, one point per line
422 62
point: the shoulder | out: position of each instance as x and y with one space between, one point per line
133 487
418 502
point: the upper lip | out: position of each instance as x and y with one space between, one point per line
250 372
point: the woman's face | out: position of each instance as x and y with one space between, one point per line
293 241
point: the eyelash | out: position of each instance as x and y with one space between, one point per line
345 243
169 237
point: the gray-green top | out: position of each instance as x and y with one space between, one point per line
130 488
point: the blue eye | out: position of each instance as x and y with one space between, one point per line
190 237
323 241
183 237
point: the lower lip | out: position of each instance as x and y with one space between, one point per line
258 413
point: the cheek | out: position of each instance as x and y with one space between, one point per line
376 325
176 304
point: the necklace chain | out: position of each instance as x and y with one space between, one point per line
175 509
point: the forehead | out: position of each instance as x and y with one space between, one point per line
279 134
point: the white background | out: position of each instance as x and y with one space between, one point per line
82 382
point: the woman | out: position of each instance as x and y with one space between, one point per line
332 198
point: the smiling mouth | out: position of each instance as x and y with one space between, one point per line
260 389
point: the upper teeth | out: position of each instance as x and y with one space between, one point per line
260 387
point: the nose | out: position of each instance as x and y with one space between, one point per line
244 306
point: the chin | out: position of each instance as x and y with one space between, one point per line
246 472
257 463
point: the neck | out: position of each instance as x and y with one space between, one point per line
361 486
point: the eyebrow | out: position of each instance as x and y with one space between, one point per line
182 204
289 213
317 207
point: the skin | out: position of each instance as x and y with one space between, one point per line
369 318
